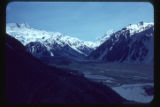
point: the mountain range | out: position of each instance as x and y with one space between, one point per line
29 79
50 40
132 44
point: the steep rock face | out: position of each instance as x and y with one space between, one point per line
37 49
128 45
30 81
55 50
86 50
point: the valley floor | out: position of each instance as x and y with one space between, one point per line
132 81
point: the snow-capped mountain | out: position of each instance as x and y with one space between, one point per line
134 43
42 43
137 28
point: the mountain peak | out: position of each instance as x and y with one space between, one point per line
140 23
139 27
122 47
17 25
24 25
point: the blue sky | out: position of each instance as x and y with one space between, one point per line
84 20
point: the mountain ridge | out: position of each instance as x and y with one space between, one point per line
49 41
53 44
130 44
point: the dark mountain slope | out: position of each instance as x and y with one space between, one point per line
40 50
124 47
28 80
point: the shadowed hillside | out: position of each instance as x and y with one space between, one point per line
30 81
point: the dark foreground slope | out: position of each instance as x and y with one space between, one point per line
30 81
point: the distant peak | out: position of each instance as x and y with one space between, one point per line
22 25
12 24
140 23
26 25
135 28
